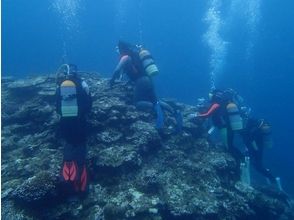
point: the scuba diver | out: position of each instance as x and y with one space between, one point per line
138 64
257 136
73 102
226 117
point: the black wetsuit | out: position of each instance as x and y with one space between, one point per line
74 129
144 93
252 133
144 88
217 112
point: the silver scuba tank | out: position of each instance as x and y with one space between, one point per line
234 117
69 105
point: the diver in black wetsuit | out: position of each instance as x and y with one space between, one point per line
131 65
138 64
220 113
73 102
257 136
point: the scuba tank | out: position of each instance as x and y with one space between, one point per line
68 90
235 119
68 93
148 63
266 131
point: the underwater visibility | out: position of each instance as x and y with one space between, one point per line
147 109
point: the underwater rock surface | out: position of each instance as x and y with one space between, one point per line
135 171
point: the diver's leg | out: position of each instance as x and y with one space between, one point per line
176 113
144 105
258 164
235 152
74 171
144 91
166 107
224 137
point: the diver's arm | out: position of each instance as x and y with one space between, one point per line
166 107
88 97
85 87
58 101
254 145
124 60
210 111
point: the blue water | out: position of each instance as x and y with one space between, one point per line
246 45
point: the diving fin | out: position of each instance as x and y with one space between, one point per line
160 117
144 106
84 179
278 183
82 182
69 171
245 171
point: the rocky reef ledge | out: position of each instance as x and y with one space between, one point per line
135 172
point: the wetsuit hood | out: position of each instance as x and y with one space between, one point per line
124 48
216 96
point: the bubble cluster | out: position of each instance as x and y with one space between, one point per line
246 11
214 40
68 11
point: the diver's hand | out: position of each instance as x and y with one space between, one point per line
193 116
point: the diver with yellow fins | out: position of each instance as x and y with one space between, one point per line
73 102
138 64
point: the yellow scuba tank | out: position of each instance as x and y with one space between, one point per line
234 117
69 105
266 134
148 63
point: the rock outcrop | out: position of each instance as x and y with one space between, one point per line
136 172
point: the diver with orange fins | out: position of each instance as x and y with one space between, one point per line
73 102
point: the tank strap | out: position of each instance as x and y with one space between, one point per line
149 56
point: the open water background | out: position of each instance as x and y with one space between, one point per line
246 45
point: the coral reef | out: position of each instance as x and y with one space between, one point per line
136 172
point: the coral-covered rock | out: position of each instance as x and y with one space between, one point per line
135 171
37 190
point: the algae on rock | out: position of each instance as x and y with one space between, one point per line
135 172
